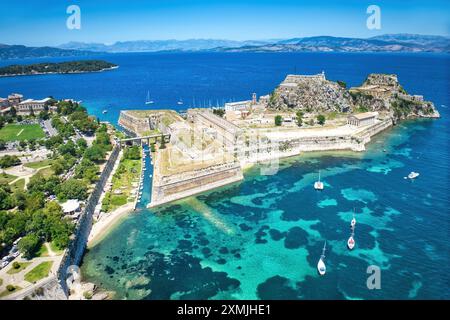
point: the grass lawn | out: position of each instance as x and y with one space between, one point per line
55 249
18 132
6 292
22 266
39 164
39 272
126 174
47 172
6 178
42 252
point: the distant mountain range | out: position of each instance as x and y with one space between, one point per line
23 52
383 43
162 45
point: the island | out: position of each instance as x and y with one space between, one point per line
210 148
81 66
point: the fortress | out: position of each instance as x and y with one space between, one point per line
207 151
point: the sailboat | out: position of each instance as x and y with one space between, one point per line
351 240
318 185
353 222
180 102
321 268
148 101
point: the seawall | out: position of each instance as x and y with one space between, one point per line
175 187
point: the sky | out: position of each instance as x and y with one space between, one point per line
43 22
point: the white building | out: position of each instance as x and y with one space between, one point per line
30 106
362 119
71 207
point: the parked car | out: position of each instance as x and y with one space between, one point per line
15 254
4 264
17 241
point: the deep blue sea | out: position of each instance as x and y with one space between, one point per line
261 238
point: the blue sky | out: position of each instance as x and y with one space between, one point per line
43 22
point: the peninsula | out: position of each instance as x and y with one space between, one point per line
208 148
81 66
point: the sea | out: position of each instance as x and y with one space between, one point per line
262 238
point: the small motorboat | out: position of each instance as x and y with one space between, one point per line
318 185
321 268
413 175
105 111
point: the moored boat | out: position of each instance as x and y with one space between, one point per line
321 268
353 222
413 175
351 242
318 185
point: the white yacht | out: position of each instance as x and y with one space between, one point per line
321 268
351 241
148 101
318 185
413 175
353 222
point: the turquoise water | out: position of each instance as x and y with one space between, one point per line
261 238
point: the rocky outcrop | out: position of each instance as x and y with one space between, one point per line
383 92
311 93
379 92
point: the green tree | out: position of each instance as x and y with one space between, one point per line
278 120
321 119
95 153
219 112
299 119
9 161
163 143
132 153
72 189
2 144
342 84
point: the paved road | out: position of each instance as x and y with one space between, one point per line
18 278
50 129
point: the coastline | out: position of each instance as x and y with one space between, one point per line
107 223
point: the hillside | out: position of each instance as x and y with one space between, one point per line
379 92
23 52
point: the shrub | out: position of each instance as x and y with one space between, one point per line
10 287
278 120
16 265
87 295
321 119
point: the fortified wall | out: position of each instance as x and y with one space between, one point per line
295 146
75 250
175 187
